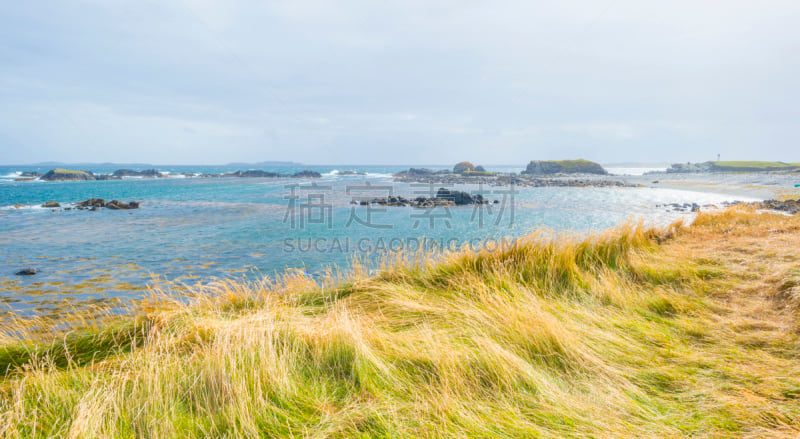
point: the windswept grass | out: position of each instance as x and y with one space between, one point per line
634 332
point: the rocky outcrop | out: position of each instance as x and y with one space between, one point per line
97 203
149 173
580 166
67 175
51 204
28 176
444 197
788 206
307 174
463 167
681 168
459 198
257 173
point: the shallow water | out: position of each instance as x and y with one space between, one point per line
190 230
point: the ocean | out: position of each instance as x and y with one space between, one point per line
190 231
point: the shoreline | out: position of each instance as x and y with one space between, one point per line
639 317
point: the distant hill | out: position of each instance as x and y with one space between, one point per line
269 163
94 165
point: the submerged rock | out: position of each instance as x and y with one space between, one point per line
30 271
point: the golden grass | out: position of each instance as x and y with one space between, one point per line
679 332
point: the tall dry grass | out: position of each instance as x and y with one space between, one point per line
633 332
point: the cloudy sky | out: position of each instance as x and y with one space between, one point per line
406 82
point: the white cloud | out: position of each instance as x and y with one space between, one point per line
334 81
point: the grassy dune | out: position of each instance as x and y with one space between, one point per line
680 332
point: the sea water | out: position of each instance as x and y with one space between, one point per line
194 230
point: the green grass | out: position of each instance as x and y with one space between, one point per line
630 333
573 164
68 171
754 164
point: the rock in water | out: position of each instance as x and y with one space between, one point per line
30 271
92 202
579 166
116 205
67 174
51 204
131 173
307 173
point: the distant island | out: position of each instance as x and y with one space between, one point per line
263 164
579 166
732 166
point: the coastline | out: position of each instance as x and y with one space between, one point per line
648 321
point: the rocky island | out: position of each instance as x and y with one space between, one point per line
549 167
557 172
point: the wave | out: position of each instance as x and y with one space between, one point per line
25 207
11 175
355 174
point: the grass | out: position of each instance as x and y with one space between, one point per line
686 331
68 171
747 165
573 164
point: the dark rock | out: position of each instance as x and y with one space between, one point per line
118 205
459 198
51 204
252 173
307 174
30 271
131 173
92 202
579 166
480 168
67 175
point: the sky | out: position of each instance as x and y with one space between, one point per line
398 82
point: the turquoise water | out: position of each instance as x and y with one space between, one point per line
192 230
